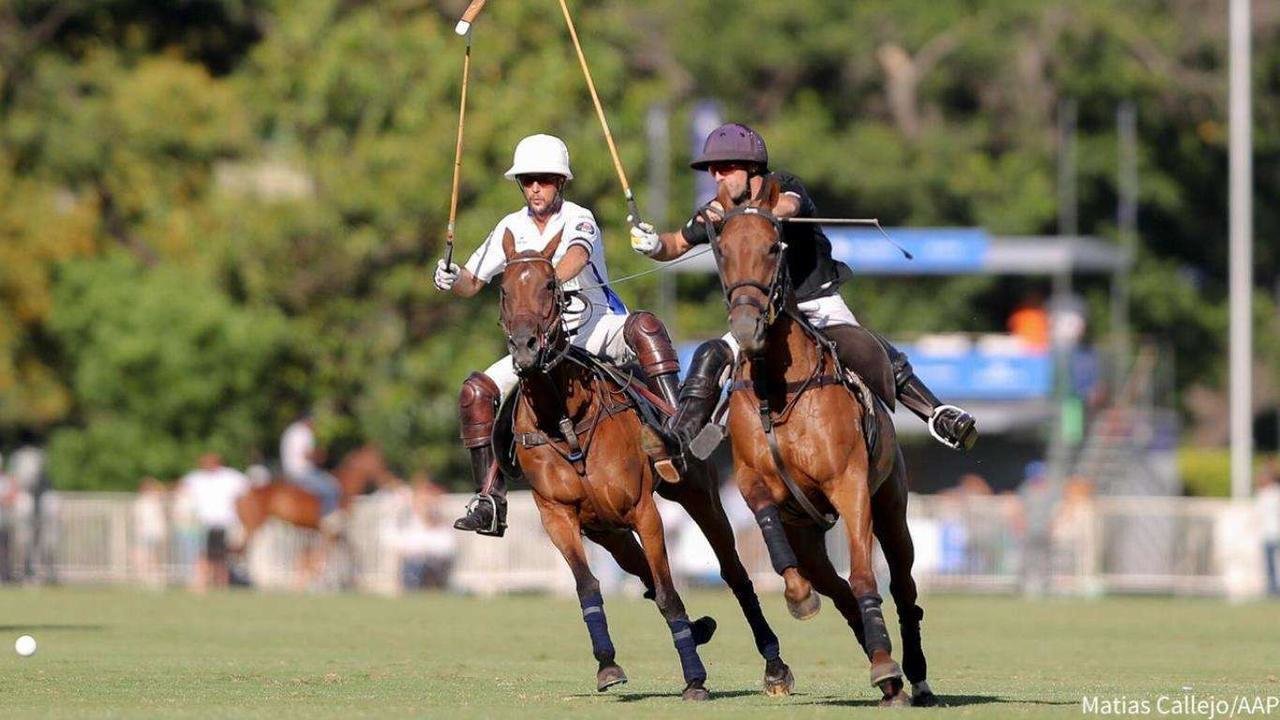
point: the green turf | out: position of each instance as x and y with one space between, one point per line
132 654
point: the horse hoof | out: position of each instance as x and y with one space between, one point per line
806 608
703 630
886 672
925 699
778 682
695 692
608 676
902 699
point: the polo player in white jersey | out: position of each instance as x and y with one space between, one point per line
596 319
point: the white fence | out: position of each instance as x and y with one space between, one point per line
1183 546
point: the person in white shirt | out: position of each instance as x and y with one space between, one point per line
299 458
596 318
212 489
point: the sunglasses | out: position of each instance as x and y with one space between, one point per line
541 179
725 168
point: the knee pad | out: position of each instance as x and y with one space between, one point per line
645 334
477 409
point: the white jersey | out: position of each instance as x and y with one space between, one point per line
580 228
213 495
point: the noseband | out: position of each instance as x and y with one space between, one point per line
550 331
775 289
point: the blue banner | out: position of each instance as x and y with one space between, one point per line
936 250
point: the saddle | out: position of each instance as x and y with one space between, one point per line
655 440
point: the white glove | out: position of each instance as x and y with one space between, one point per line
644 240
446 275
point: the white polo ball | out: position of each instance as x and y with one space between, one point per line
25 646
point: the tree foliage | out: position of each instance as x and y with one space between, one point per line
216 213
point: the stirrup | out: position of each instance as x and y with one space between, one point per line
707 440
497 526
953 443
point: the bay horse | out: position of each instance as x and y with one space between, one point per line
580 443
358 470
803 455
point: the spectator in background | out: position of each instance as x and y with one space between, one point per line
424 538
212 490
1039 501
150 532
1030 322
1268 506
8 495
34 503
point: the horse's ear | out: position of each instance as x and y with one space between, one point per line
550 251
770 191
508 244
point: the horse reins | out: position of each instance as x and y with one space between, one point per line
775 292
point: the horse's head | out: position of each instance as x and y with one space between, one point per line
749 251
532 305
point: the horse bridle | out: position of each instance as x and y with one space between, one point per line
550 331
775 290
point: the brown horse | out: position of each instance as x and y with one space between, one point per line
580 445
360 469
802 454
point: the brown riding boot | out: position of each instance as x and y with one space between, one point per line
477 409
647 337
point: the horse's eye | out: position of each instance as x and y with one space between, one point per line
551 285
775 248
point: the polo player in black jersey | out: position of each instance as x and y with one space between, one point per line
737 158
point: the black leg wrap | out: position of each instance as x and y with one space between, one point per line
913 661
873 625
775 539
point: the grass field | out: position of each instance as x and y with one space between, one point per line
133 654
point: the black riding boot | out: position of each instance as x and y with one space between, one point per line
487 511
698 398
668 388
950 425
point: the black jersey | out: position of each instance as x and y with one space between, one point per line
813 272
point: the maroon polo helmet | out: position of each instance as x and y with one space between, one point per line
732 142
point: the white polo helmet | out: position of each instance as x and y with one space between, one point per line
540 154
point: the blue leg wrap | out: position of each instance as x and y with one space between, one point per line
690 663
597 626
766 641
775 539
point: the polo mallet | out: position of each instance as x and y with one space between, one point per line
604 124
469 16
462 28
869 222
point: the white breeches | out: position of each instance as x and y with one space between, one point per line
821 313
602 336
